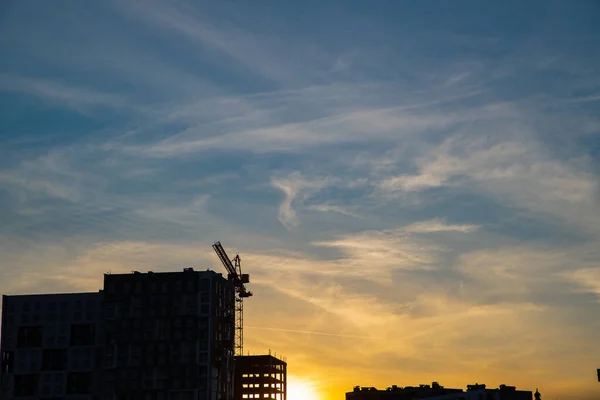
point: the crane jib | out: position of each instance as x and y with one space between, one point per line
238 279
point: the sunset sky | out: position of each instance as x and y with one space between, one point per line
412 185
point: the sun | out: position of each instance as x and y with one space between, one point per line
301 389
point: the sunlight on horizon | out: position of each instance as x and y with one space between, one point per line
301 389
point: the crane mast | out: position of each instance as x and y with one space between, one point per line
235 275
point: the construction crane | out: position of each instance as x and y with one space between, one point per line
235 275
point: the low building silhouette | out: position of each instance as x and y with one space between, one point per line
52 346
400 393
260 377
437 392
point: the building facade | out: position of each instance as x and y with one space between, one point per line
52 346
260 377
169 336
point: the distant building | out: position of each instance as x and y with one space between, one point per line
169 336
51 346
260 377
437 392
400 393
480 392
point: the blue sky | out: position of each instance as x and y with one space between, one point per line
426 171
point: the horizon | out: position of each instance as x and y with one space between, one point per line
413 187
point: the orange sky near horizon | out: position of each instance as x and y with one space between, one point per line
335 339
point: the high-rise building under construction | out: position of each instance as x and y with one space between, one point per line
169 336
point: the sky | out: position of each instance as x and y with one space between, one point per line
412 185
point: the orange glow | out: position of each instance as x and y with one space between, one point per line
301 389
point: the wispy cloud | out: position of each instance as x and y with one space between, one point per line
438 225
588 278
294 187
517 171
379 124
376 254
332 208
258 53
47 176
76 98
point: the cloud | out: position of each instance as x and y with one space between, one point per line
516 171
46 176
351 124
411 183
332 208
293 186
375 255
588 279
76 98
438 225
252 51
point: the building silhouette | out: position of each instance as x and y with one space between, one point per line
437 392
52 346
151 336
400 393
169 336
260 377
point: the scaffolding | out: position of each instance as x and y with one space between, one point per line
260 376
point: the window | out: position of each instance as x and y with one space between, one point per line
26 385
109 357
29 336
190 286
8 362
54 359
79 383
204 284
83 334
